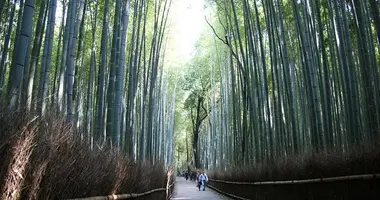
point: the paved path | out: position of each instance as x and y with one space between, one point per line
186 190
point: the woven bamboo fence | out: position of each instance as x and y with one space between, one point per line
343 187
133 195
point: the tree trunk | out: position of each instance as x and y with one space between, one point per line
101 75
19 55
54 96
46 60
4 54
120 75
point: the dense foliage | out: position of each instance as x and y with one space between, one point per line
97 63
286 78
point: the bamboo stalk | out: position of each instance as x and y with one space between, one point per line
315 180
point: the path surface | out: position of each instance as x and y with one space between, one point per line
187 190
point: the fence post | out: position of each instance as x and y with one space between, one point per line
168 182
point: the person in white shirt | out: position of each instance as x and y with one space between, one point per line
204 179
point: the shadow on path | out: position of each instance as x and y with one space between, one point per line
187 190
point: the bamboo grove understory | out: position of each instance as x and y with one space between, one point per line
97 63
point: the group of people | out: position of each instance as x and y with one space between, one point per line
200 177
189 175
201 181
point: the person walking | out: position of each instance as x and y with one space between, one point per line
205 180
202 181
199 181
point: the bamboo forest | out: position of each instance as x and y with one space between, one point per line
120 99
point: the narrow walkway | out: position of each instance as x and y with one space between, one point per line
187 190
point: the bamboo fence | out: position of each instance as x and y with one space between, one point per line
306 181
226 194
315 180
128 196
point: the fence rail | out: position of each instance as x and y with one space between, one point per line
315 180
350 187
226 194
125 196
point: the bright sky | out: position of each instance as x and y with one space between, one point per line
186 23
